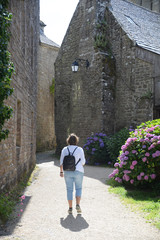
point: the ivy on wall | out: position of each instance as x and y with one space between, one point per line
100 40
6 67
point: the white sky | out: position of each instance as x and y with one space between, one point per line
56 14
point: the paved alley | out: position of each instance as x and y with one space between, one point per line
103 217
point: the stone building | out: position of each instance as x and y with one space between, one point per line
48 51
17 153
121 86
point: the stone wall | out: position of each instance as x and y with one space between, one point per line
83 100
135 75
118 88
46 139
17 153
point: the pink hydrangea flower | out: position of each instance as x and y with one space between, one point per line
144 159
147 154
126 152
126 177
153 176
157 153
116 164
146 177
142 174
126 171
132 167
154 155
123 147
111 175
134 163
118 179
139 177
131 181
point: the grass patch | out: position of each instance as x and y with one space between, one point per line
8 200
143 201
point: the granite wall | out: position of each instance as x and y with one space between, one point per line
17 153
84 101
118 88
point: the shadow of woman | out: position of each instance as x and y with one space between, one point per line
74 224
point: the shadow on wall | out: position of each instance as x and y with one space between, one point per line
99 173
8 229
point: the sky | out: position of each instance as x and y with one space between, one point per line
56 14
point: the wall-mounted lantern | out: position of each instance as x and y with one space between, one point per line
75 64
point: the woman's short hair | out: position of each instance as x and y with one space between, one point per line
72 139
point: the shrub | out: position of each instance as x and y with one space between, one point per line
6 68
139 160
96 150
115 142
6 207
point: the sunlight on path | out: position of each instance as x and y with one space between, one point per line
103 218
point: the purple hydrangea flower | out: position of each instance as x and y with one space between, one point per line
134 151
101 144
126 152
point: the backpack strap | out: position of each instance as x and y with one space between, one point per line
79 159
74 150
78 162
69 151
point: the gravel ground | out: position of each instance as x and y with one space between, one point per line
103 217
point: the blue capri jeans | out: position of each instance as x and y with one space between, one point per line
73 178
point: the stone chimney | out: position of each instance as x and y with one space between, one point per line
42 25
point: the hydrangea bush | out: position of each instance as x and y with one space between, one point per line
115 142
95 149
139 159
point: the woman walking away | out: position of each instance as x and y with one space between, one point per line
73 177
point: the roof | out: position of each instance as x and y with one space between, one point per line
140 24
45 40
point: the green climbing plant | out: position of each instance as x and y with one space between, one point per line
6 67
52 87
100 40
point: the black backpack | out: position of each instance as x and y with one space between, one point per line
69 161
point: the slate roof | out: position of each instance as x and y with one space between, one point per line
44 39
140 24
